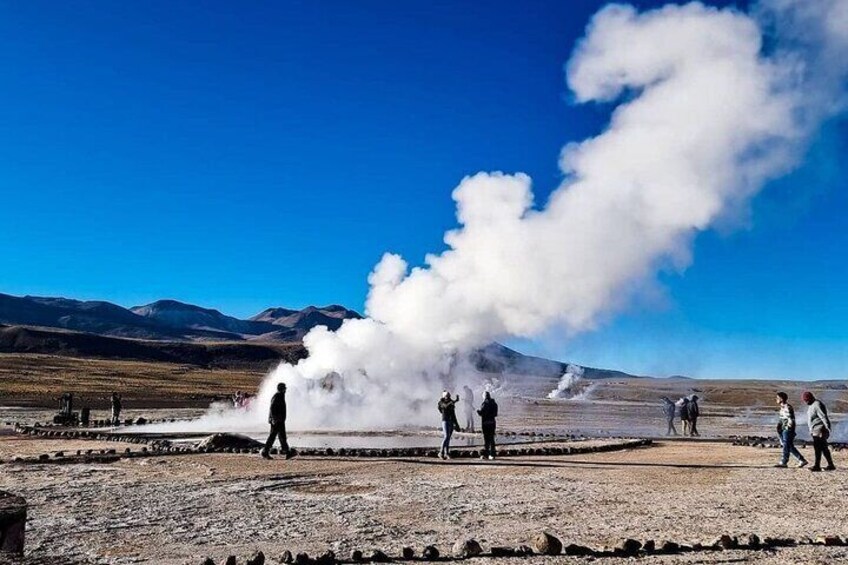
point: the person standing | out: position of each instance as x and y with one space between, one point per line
694 412
488 413
787 431
277 419
683 405
468 404
116 408
820 429
447 408
669 410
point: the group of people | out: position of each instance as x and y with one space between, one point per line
819 425
488 413
687 410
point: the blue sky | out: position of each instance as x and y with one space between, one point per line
245 157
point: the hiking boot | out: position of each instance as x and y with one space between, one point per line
802 464
781 465
815 469
830 468
290 453
265 455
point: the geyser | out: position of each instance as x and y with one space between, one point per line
710 104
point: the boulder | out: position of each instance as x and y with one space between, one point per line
231 560
140 421
465 548
287 557
356 556
649 546
752 541
207 561
407 553
258 558
228 441
430 553
302 559
546 544
724 542
669 546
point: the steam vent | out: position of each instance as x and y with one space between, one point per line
13 510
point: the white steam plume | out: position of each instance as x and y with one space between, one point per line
706 114
569 385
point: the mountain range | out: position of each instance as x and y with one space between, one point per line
168 320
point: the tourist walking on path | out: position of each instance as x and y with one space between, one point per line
488 413
694 412
819 424
468 404
277 419
670 411
787 430
116 408
447 408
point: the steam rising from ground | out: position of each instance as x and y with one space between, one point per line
705 116
569 385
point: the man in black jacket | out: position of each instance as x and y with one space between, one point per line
277 419
488 412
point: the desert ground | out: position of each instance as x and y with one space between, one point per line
181 509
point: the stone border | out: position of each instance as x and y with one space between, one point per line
164 447
544 544
774 443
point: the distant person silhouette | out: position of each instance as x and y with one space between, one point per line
820 429
488 413
670 411
277 419
683 408
116 408
694 413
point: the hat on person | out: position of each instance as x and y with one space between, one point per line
445 394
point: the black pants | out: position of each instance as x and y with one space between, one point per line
820 448
489 438
277 431
693 427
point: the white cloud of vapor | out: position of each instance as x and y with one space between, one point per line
706 115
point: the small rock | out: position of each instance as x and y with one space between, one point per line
546 544
430 553
302 559
724 542
407 553
287 557
207 561
378 556
629 546
828 540
326 558
523 550
580 550
356 556
649 546
669 547
258 558
752 541
231 560
463 549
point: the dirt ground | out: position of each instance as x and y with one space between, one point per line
181 509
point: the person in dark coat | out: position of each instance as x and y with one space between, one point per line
277 419
694 412
447 408
488 413
116 408
683 406
669 410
